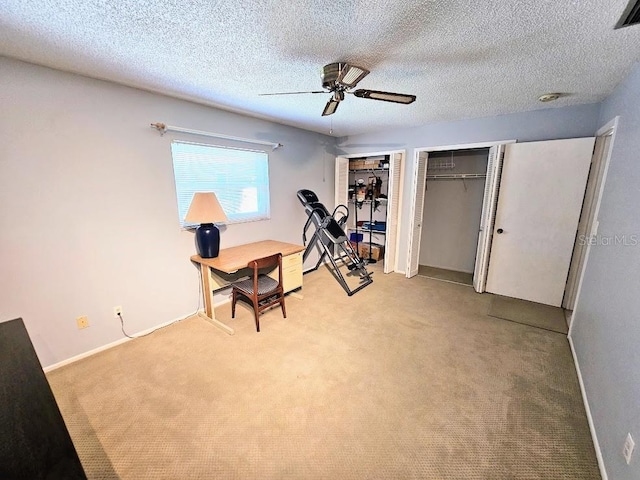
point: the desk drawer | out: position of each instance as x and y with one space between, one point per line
291 278
291 272
294 260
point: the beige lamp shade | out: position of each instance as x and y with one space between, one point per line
205 208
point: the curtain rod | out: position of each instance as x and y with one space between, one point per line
162 128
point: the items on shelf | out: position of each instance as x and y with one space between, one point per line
368 190
374 188
377 226
363 249
372 252
356 237
360 190
369 163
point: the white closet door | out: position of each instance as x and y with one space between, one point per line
342 181
489 202
393 209
541 193
415 225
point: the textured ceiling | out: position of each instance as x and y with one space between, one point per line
462 59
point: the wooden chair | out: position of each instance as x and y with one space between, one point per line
262 290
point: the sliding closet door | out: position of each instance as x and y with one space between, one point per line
415 225
541 192
489 202
393 211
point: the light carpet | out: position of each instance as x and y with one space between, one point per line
446 275
529 313
407 379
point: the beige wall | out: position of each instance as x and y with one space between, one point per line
88 216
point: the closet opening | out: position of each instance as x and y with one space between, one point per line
370 186
452 210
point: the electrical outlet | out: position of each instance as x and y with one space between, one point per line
117 311
83 322
627 450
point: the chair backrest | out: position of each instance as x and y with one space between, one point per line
264 262
271 261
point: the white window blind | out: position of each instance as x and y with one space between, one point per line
239 178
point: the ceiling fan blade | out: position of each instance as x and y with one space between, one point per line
385 96
291 93
331 107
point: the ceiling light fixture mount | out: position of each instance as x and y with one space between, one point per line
549 97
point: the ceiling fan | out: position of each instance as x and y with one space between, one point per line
340 78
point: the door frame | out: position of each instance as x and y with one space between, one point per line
608 129
400 187
416 180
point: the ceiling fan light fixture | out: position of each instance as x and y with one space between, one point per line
350 75
343 75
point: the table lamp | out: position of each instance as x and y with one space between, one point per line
205 210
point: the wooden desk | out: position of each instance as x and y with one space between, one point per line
231 265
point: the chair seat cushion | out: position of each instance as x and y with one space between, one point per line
266 284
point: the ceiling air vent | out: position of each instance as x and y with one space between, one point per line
631 15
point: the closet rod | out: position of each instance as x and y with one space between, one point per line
162 128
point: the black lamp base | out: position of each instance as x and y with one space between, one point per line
208 240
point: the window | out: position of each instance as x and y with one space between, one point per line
239 178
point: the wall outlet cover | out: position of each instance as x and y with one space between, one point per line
82 321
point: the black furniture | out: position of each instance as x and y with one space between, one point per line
34 441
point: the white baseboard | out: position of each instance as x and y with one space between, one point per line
313 269
594 436
113 344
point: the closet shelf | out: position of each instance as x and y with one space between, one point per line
381 200
368 170
360 229
453 176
